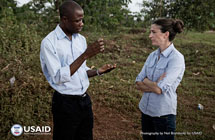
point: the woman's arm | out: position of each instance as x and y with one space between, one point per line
150 86
153 87
142 87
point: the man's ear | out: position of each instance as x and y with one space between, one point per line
64 19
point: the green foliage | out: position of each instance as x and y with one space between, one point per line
116 90
7 4
7 8
27 99
196 14
108 14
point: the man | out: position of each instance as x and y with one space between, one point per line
63 58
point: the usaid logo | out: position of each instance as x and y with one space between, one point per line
37 129
16 130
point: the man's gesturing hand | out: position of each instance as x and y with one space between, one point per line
95 48
106 68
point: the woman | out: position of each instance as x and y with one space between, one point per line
158 80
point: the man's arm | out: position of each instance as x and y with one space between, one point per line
61 74
104 69
92 50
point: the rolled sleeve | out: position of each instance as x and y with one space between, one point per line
174 74
64 74
86 67
52 64
142 75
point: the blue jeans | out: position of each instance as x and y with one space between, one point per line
158 128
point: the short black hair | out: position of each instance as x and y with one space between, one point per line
67 7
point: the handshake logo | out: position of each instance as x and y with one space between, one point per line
17 130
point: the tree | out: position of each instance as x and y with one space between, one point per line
196 14
7 7
107 14
99 14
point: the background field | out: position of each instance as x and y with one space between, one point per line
115 99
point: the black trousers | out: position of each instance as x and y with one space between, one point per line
72 117
158 128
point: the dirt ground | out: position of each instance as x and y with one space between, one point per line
111 125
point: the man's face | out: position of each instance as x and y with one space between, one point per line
74 22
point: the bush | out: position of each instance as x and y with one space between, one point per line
27 101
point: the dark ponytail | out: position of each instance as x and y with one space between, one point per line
178 26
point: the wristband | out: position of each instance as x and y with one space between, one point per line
97 72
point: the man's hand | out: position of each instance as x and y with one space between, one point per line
106 68
95 48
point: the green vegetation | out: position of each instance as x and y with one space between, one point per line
28 100
196 14
117 90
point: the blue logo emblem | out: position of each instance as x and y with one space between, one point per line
16 130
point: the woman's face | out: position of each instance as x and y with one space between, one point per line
157 37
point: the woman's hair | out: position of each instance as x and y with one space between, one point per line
170 25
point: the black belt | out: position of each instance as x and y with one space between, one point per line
71 96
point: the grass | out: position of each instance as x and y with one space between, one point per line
28 101
206 38
197 86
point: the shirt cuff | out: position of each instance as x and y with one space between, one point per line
139 78
65 74
87 68
162 86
